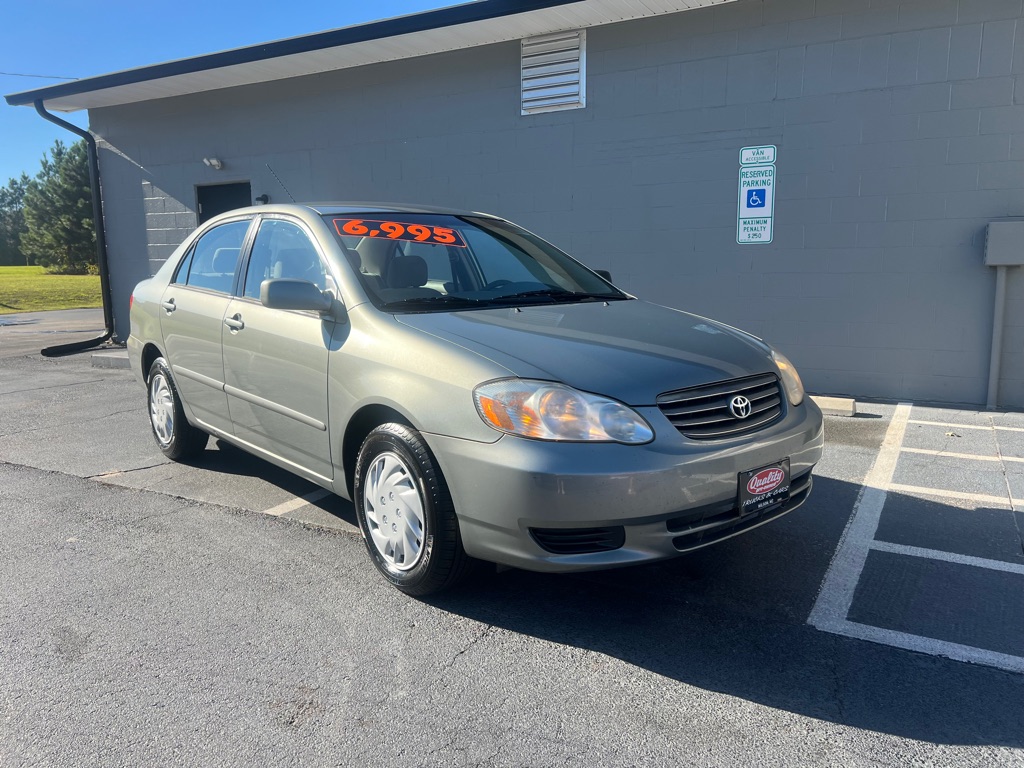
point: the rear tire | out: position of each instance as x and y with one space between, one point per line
175 437
406 514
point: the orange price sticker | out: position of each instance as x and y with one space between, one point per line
395 230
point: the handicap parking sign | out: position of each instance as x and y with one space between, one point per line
755 208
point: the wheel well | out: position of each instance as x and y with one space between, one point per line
149 353
362 423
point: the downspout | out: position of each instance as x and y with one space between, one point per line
998 318
101 240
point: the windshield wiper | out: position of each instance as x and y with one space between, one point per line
539 296
559 294
436 301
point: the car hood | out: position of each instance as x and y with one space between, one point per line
628 350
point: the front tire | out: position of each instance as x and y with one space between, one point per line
406 514
175 437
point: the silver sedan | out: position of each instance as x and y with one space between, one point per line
477 393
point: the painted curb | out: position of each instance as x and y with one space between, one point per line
111 360
836 406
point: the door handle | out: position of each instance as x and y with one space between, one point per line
169 305
234 323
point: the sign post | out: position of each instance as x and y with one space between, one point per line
756 206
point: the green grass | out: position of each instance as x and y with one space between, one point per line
30 289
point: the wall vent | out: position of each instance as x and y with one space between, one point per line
554 71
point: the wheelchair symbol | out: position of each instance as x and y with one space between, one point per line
756 198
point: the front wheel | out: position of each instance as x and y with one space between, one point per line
175 437
406 513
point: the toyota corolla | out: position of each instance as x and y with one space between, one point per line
475 392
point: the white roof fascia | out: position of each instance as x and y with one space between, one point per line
579 15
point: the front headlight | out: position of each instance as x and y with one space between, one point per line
790 378
548 411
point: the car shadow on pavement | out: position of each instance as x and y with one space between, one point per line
231 460
227 459
732 619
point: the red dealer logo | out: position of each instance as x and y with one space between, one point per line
765 481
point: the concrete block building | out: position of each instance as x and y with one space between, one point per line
614 128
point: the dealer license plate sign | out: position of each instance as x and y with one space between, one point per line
764 487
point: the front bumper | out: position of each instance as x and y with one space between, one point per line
638 503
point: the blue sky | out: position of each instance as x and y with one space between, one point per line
71 38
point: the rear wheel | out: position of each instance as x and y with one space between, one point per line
175 437
406 513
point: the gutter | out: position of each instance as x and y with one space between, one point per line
101 240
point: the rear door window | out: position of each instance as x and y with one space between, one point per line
214 259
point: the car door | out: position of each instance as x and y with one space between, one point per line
275 361
192 316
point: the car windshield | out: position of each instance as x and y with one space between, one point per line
418 262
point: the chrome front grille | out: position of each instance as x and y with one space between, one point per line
703 413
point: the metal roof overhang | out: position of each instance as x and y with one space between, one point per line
445 29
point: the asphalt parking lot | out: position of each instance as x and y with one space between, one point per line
226 612
25 333
932 559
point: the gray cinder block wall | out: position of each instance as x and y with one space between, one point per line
900 135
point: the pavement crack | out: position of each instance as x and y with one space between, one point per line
489 759
487 632
53 386
75 423
449 744
1006 475
837 688
188 501
118 472
171 513
1009 490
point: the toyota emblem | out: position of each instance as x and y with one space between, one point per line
740 407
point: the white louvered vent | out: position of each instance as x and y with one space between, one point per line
554 69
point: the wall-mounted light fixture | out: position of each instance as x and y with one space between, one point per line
213 162
262 199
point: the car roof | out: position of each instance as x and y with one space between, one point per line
327 209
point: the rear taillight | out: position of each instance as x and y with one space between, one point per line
131 301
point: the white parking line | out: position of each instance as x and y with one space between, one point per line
981 498
299 503
965 426
949 557
969 456
930 646
837 590
836 595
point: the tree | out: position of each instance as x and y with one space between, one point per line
58 212
12 221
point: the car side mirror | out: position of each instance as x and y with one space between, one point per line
604 273
286 293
